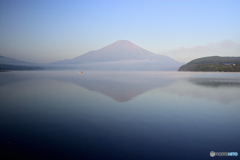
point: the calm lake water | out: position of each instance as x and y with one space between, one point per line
119 115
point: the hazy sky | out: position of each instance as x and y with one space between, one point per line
47 30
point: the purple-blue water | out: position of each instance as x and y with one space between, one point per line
118 115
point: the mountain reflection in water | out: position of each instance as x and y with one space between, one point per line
125 86
121 86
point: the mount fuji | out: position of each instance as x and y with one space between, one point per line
121 55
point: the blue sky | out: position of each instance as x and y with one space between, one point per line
47 30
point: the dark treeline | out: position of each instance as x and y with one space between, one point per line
214 64
8 67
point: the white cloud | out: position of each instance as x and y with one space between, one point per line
224 48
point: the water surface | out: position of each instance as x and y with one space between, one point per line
119 115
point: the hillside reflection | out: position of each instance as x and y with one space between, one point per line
215 82
224 90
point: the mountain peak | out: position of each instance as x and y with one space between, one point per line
123 41
121 44
124 53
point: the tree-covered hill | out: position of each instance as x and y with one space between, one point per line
7 67
213 64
